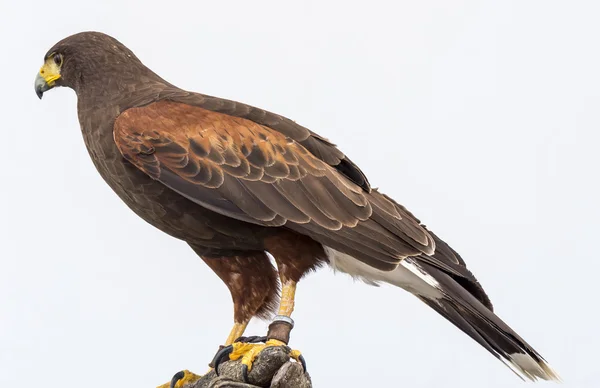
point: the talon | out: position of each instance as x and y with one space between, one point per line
176 377
181 378
296 355
221 354
236 350
303 362
247 349
245 373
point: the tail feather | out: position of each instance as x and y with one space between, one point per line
478 322
457 304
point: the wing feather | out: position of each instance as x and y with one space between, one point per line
254 173
317 145
390 233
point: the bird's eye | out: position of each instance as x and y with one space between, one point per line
58 59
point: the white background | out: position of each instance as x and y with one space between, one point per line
480 116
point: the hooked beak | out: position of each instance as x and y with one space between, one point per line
46 78
41 86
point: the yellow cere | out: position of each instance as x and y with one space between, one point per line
50 71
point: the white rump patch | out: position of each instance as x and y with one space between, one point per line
408 275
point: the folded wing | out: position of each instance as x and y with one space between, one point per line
254 173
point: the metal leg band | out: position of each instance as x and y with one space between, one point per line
283 318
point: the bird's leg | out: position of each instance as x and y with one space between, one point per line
186 377
283 323
236 332
252 281
295 255
247 349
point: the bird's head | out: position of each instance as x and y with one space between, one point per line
86 60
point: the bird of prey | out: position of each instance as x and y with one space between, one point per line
236 182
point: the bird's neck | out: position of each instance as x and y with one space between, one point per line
129 85
120 93
99 105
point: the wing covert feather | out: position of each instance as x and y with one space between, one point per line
254 173
319 146
237 167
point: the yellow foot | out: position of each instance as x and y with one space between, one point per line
248 351
181 379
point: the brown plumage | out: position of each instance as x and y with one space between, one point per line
236 182
252 282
